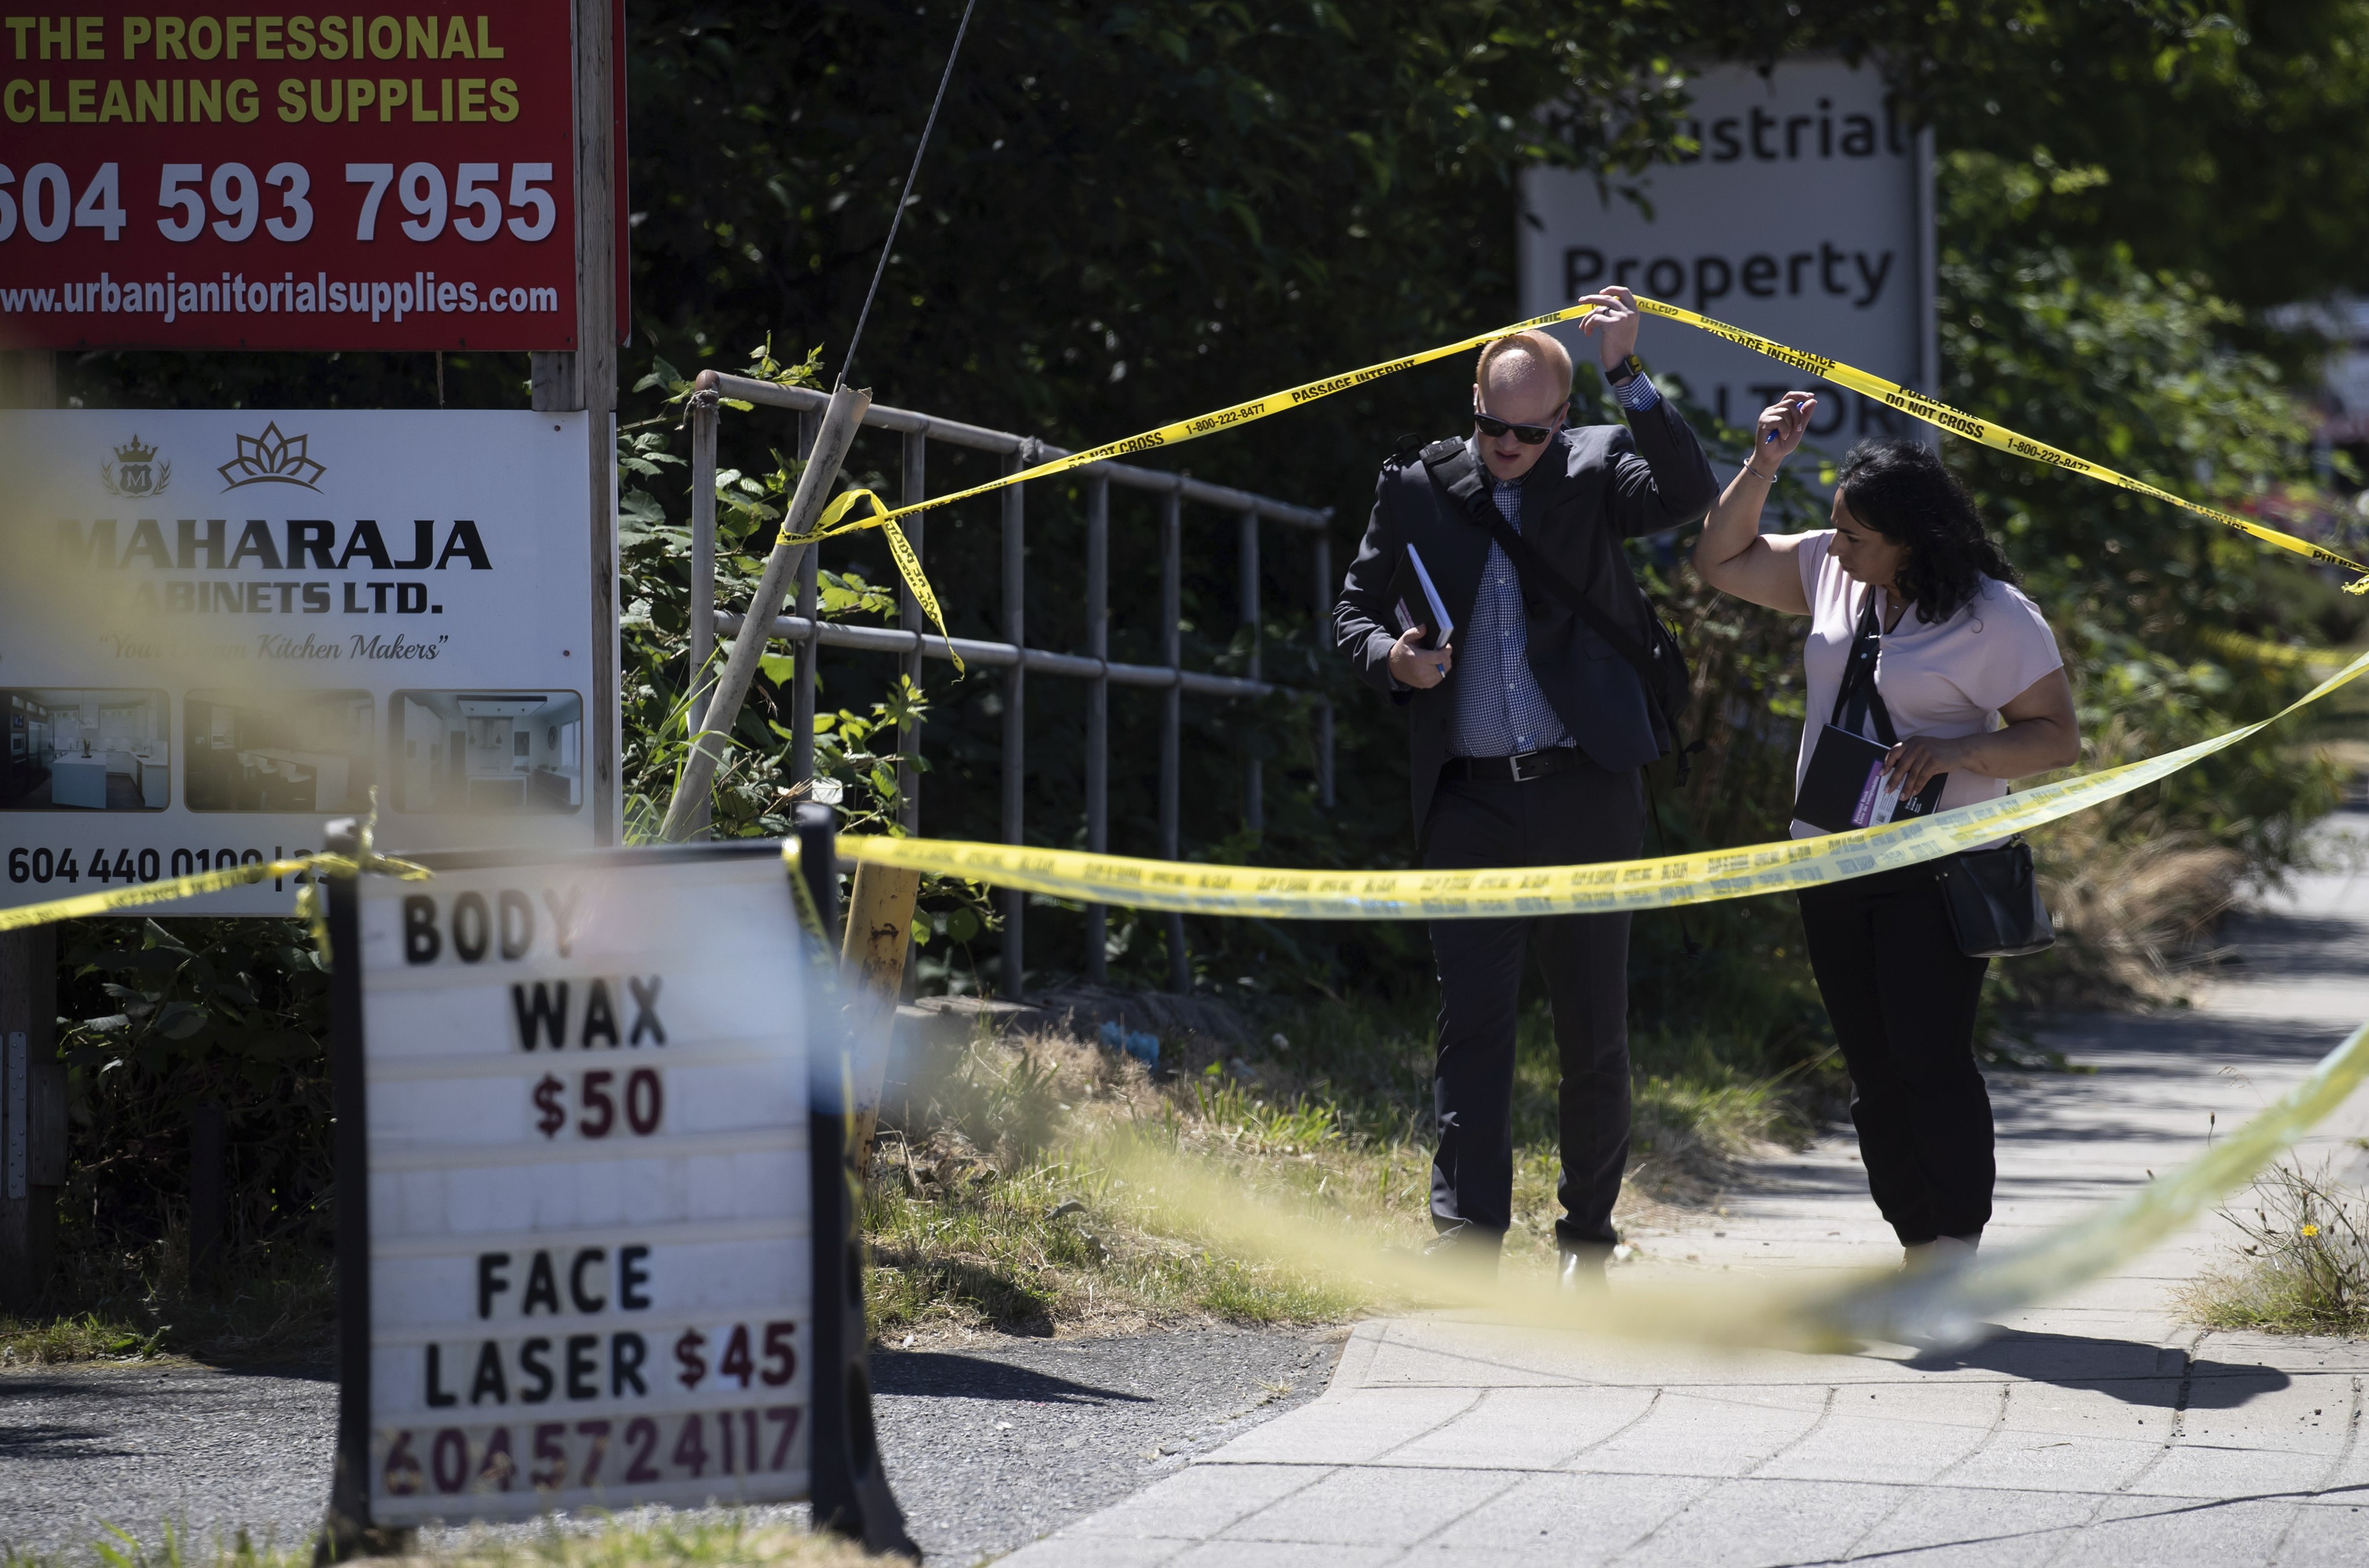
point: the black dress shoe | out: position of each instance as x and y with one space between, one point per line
1466 1248
1581 1269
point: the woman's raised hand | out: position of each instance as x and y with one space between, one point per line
1780 427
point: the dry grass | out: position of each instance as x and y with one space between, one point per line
2135 918
994 1206
997 1206
636 1542
2304 1265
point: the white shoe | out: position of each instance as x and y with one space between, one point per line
1941 1252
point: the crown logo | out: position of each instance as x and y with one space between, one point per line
136 470
271 459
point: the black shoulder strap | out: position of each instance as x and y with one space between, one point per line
1453 470
1858 695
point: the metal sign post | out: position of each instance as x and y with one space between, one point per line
596 1242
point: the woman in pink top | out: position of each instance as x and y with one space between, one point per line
1968 675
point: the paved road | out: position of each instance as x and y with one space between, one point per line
2097 1430
989 1445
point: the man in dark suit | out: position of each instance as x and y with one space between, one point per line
1529 733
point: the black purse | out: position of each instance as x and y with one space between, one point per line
1993 897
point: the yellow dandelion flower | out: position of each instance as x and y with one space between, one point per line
2311 1230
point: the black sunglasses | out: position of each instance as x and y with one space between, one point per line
1528 435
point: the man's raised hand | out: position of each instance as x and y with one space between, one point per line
1613 323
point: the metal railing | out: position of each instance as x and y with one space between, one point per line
912 641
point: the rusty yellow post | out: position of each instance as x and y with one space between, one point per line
872 974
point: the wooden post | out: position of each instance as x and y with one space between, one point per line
872 978
586 380
33 1080
697 775
29 379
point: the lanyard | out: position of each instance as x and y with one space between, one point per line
1858 697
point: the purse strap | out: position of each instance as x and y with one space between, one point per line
1858 697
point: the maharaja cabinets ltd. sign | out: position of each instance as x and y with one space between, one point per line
220 629
192 179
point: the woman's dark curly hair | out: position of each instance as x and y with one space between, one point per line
1901 490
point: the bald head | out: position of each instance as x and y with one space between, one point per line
1522 379
1521 363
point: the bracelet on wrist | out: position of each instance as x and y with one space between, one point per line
1763 478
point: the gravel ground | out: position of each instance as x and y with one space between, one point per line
989 1444
82 1447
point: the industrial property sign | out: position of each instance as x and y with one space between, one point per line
1805 217
220 629
185 179
590 1213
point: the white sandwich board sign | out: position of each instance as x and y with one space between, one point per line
1806 217
220 629
587 1186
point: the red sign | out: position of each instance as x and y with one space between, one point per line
308 181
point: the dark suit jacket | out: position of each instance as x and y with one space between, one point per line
1591 488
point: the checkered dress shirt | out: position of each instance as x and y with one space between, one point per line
1499 709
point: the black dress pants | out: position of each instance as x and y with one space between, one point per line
1902 998
1583 814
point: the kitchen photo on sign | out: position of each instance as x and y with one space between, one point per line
303 751
85 748
490 753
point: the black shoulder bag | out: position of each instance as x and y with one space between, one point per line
1659 662
1992 896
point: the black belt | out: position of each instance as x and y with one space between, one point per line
1519 768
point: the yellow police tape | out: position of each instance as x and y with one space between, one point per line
835 522
305 868
908 564
2237 644
1275 893
1999 437
1272 893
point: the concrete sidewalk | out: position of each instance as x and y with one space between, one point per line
2102 1429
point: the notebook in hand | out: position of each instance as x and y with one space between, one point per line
1845 786
1416 602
